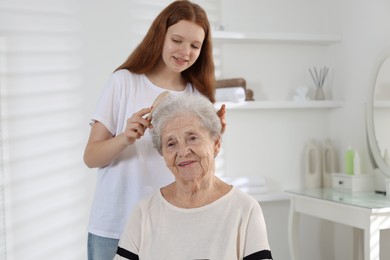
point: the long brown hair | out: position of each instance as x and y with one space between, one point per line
148 53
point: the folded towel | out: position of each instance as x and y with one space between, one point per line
253 190
248 184
231 94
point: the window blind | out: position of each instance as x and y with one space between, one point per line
43 211
3 235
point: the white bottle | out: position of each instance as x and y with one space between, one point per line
356 163
328 163
313 165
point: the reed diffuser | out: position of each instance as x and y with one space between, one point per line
319 80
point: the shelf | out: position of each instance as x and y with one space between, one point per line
281 104
238 37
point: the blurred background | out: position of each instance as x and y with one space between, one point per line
55 57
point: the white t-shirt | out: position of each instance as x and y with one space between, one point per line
232 227
140 169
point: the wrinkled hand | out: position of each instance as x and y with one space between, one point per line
136 125
221 114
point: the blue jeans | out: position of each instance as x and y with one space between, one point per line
101 248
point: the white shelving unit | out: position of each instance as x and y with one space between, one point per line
241 37
311 104
224 37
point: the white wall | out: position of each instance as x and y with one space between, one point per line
273 141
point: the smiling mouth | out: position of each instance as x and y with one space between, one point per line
179 59
183 164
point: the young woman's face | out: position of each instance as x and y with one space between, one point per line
182 45
188 149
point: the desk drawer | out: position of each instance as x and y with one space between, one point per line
352 183
341 182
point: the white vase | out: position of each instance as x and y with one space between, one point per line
320 94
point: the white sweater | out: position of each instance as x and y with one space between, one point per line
232 227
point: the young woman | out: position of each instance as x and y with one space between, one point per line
175 56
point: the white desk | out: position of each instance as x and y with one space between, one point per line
363 210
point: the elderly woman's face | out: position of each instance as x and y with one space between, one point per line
188 149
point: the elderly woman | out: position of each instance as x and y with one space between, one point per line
198 216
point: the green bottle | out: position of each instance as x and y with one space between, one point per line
349 156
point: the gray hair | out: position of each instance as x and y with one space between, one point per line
186 104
